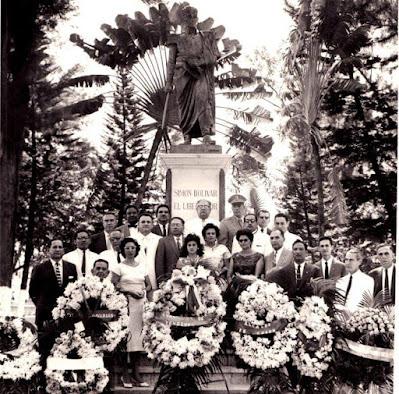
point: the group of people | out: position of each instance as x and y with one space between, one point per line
140 254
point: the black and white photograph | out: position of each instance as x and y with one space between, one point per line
198 196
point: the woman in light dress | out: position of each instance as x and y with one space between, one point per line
130 277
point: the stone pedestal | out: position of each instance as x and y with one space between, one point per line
195 172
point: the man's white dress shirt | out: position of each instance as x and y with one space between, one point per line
289 239
361 284
76 257
196 225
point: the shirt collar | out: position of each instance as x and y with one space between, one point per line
329 261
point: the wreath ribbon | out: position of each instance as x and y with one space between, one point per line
67 364
269 328
185 321
365 351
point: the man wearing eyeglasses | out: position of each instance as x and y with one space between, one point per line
263 219
261 242
195 225
384 276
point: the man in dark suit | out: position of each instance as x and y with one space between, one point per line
280 255
296 276
329 266
101 241
48 282
384 276
129 229
163 216
168 251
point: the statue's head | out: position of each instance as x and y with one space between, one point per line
188 16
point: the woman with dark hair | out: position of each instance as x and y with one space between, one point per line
191 251
216 256
131 278
245 267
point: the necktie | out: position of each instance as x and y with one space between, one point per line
58 273
348 288
84 263
262 230
178 243
386 282
298 273
326 275
275 257
164 230
118 257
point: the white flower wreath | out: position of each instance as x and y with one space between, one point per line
23 361
313 352
206 321
92 287
95 379
264 309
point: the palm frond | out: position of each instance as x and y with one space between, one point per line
347 85
251 116
258 93
84 81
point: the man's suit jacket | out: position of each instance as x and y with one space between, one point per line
286 278
44 289
98 243
337 269
376 274
166 258
158 231
284 258
228 229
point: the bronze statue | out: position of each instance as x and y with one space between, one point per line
193 55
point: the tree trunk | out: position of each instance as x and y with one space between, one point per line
124 159
305 208
148 166
31 215
319 185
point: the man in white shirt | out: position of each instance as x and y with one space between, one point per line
261 242
282 222
355 284
82 257
129 229
195 225
330 267
101 241
148 242
113 256
384 276
263 219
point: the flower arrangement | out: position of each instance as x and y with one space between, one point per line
166 316
88 300
19 360
314 347
75 347
183 329
266 334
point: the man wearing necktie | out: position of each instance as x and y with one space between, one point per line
385 275
82 257
355 284
48 282
101 241
295 277
163 216
168 251
113 256
330 267
280 255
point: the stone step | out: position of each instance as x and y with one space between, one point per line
212 388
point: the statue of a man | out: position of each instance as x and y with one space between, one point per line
193 56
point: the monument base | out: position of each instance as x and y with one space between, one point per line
195 172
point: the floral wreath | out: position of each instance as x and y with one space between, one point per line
183 325
74 345
18 357
102 310
263 311
313 352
